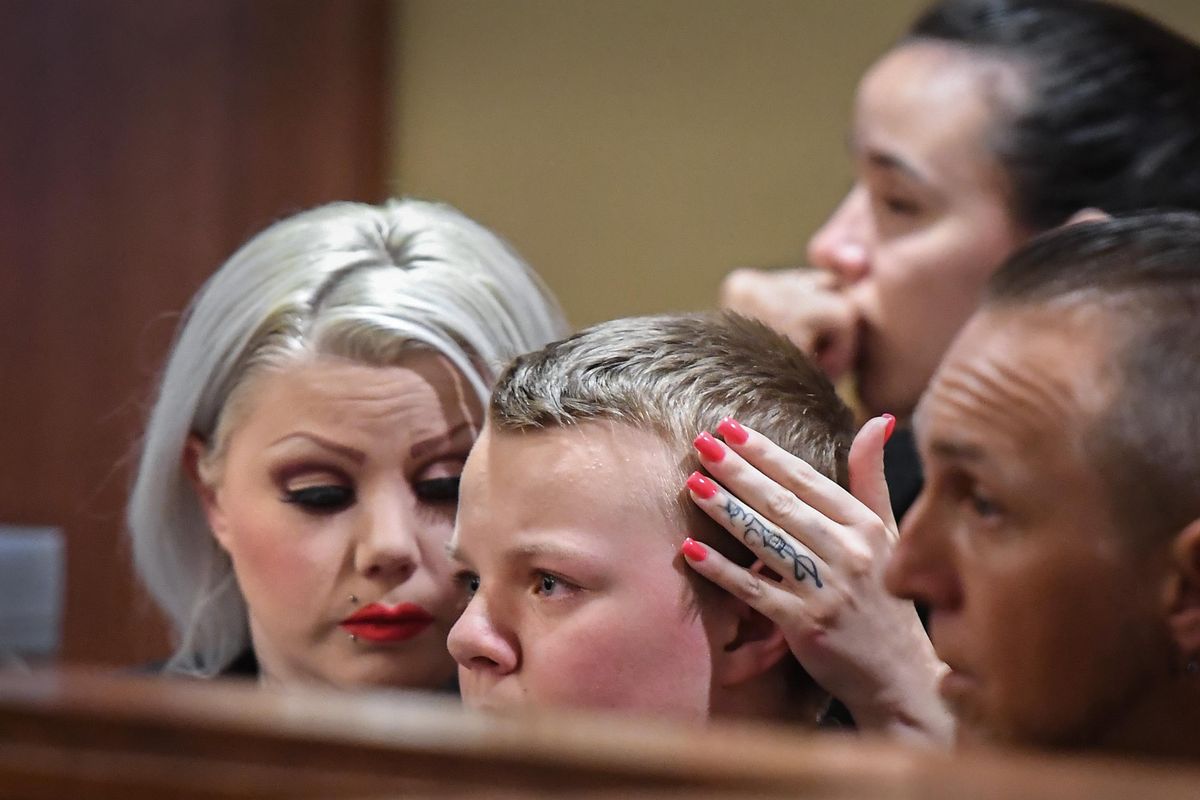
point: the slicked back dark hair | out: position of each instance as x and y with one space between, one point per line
1112 120
1141 275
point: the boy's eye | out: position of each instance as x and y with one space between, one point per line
469 581
548 585
320 499
438 490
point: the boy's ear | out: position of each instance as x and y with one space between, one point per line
1183 596
751 644
194 450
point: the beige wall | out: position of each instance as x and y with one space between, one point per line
634 150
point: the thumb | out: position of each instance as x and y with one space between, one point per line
867 482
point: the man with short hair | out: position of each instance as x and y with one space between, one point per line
1057 538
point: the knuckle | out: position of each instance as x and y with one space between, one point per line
875 533
780 505
858 563
825 615
750 588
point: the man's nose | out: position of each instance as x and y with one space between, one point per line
843 244
478 644
922 567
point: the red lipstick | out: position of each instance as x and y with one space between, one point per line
380 623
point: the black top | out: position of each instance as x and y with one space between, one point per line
903 471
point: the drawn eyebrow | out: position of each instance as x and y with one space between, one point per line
354 454
450 437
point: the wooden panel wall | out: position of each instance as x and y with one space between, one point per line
141 142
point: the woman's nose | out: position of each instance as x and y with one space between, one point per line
922 568
478 644
388 546
842 245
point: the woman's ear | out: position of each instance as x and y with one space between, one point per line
194 450
1183 602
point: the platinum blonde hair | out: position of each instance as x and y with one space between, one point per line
362 282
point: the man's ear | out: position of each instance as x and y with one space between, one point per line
751 644
1183 601
194 450
1088 215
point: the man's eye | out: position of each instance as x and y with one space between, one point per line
983 507
438 490
320 499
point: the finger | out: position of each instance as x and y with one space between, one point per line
803 304
836 347
762 594
796 563
776 503
867 480
747 458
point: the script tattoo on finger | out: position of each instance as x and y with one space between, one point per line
753 527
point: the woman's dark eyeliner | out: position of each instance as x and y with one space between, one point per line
320 499
438 490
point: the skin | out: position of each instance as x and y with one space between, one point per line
909 248
859 642
1053 626
578 595
338 479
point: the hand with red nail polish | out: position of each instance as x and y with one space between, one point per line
732 431
704 488
693 550
891 427
708 447
858 641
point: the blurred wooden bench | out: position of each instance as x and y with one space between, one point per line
86 734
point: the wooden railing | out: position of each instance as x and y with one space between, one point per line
81 734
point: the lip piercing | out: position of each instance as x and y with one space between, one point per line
354 599
353 638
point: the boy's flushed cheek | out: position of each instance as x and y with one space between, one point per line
639 656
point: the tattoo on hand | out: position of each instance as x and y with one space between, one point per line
752 525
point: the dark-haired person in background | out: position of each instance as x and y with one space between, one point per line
990 122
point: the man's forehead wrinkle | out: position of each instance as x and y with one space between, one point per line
999 391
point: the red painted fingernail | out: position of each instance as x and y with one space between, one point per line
702 486
693 550
709 448
733 431
891 426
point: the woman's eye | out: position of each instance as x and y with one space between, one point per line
320 499
901 206
438 490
